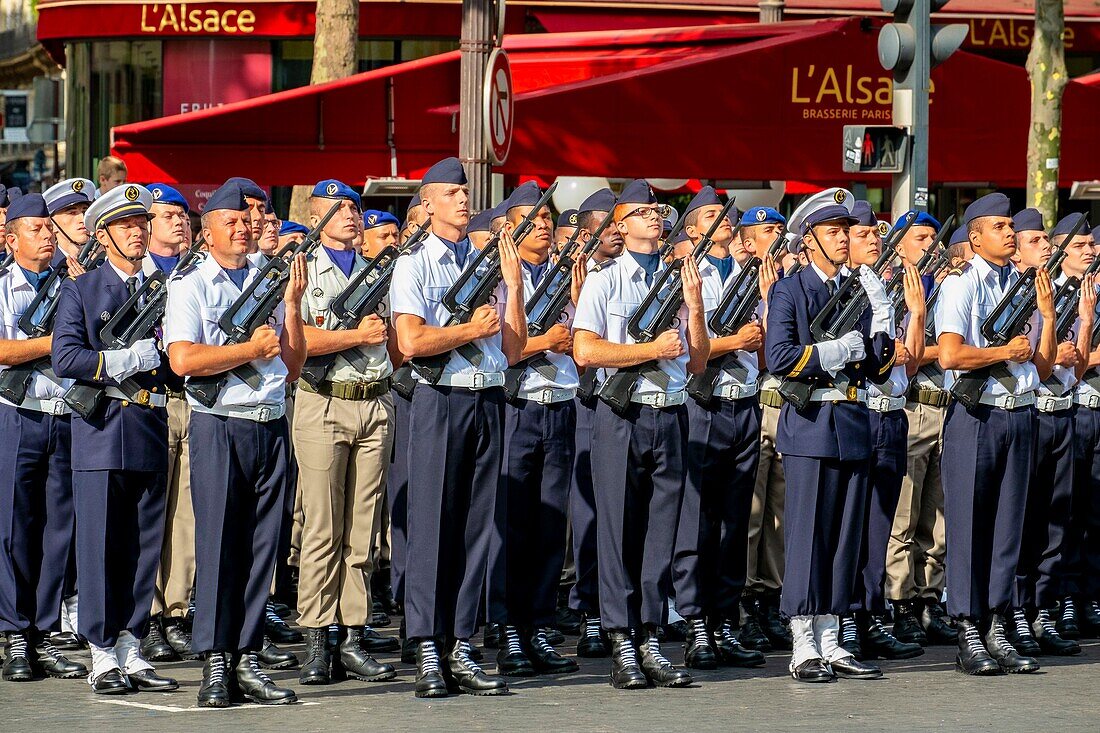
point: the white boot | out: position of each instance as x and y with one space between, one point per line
804 644
128 653
104 660
827 636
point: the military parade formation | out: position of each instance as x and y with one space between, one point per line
727 432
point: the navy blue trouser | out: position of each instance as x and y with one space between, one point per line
710 561
889 447
823 523
585 594
1081 575
397 488
239 483
639 484
454 476
37 522
1049 496
119 535
986 464
528 543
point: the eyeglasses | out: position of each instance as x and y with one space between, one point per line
646 212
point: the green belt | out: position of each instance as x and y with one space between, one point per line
349 390
933 397
770 398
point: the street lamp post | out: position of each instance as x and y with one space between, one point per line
479 31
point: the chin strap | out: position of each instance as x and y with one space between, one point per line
821 247
120 252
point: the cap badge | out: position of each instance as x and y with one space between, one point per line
132 193
78 185
331 189
883 228
573 219
157 193
839 196
761 215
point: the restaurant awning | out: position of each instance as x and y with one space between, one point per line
735 102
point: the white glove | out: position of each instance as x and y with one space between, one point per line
854 341
882 313
122 363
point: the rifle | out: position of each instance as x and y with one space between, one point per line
933 259
362 295
36 322
655 315
545 307
735 310
252 309
1008 320
136 319
1066 299
473 289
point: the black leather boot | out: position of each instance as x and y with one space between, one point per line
568 621
1050 641
357 663
154 647
272 657
381 591
731 652
1018 633
256 686
656 667
512 660
699 650
177 633
996 643
429 669
17 658
54 664
468 676
1088 612
848 638
317 668
593 642
775 628
933 619
973 657
408 646
751 635
214 691
907 628
277 629
67 641
1066 624
626 673
378 616
545 657
878 643
492 636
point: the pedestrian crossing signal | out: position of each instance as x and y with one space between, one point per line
875 148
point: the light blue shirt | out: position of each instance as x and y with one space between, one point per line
196 300
714 289
566 378
16 294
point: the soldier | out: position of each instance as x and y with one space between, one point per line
641 470
291 232
36 491
988 448
119 487
342 437
564 228
825 443
457 422
379 231
268 243
111 173
481 227
8 196
414 217
67 202
256 198
240 486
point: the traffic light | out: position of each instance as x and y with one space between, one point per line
875 148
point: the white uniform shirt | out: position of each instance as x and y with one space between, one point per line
1064 376
420 280
533 383
965 302
714 288
608 299
898 383
196 300
16 295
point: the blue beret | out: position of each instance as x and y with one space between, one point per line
637 192
526 195
707 196
165 194
567 218
249 188
761 215
958 236
924 219
292 227
601 200
864 213
828 212
481 221
31 205
448 170
129 199
681 237
1096 234
13 194
66 193
413 202
666 226
992 204
229 197
1066 224
330 188
1028 220
373 219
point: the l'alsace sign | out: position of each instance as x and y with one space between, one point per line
78 19
178 18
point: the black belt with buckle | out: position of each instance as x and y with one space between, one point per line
933 397
349 390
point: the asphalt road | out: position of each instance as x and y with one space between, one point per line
915 695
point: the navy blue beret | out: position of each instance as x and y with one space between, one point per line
707 196
992 204
448 170
292 227
330 188
924 219
1028 220
526 195
413 202
1066 224
601 200
958 236
864 213
31 205
249 188
1096 234
567 218
762 215
165 194
637 192
373 219
229 197
681 237
13 194
481 221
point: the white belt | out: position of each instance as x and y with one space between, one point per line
54 406
550 396
832 394
260 413
1050 403
475 381
1008 401
736 391
660 399
144 397
884 403
1091 401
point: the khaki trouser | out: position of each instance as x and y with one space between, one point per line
177 557
915 555
765 570
343 450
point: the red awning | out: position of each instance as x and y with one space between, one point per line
739 102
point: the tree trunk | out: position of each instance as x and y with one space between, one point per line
335 46
477 42
1046 68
